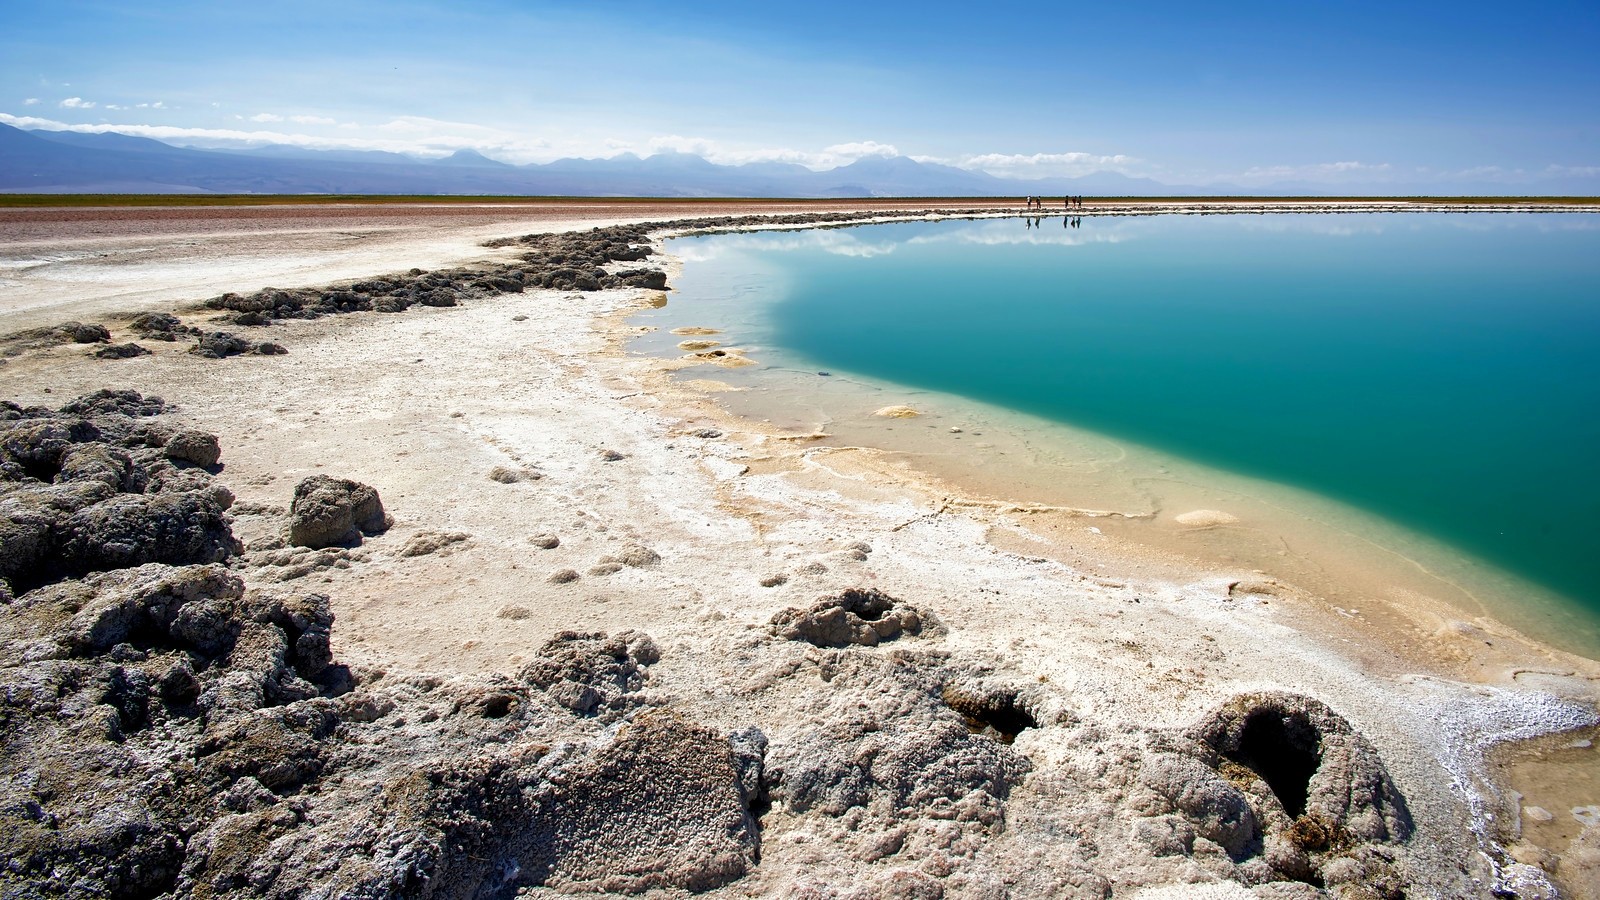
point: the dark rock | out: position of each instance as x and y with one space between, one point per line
157 326
268 348
220 344
133 529
121 351
196 447
545 541
327 511
100 462
653 279
104 402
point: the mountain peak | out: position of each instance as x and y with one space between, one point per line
470 158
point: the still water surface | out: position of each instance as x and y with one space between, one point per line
1439 371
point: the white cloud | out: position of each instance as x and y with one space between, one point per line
265 117
1331 172
313 120
77 103
860 149
723 154
114 106
1578 171
31 101
1037 165
156 105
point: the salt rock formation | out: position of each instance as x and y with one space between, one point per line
168 732
1288 789
90 487
327 511
854 617
592 674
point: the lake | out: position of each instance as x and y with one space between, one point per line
1429 383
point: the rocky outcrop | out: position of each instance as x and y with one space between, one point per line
854 617
92 486
328 511
221 344
592 674
1288 789
168 732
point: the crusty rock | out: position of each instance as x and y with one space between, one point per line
1218 811
1312 761
508 475
679 792
122 402
196 447
121 351
425 542
638 556
219 344
157 326
881 741
857 616
95 461
590 673
328 511
133 529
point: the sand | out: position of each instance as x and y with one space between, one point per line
425 406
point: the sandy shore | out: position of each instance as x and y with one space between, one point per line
1116 640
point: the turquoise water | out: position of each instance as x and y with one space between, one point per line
1441 371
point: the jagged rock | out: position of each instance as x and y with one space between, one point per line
590 673
96 461
328 511
123 402
881 741
854 617
133 529
220 344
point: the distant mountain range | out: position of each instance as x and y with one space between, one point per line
74 162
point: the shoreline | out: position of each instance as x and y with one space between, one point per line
555 389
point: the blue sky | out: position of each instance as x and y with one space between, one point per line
1246 93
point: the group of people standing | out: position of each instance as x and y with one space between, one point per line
1066 202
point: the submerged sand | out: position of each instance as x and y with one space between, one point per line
748 520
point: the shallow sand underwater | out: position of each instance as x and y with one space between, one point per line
1107 642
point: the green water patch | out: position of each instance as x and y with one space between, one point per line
1440 371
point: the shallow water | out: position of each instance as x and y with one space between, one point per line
1430 381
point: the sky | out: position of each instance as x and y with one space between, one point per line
1230 93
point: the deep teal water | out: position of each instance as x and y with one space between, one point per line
1442 371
